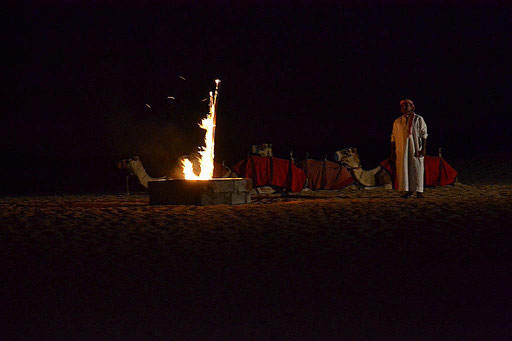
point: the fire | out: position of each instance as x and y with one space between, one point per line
207 152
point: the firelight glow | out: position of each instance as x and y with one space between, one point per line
207 152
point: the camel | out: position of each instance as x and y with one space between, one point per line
377 177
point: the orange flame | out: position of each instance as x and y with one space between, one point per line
207 152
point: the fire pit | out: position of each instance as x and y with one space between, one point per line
202 189
230 191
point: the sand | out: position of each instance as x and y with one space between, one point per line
325 264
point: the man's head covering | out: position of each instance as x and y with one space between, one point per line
411 116
406 100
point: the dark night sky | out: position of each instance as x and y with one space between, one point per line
311 78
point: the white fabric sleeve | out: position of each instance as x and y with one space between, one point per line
423 129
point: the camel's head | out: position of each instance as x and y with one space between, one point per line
348 156
130 164
264 149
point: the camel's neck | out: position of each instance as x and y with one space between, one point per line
362 176
366 177
358 173
141 174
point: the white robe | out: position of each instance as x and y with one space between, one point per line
409 168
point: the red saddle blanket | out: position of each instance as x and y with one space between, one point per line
326 174
437 171
271 171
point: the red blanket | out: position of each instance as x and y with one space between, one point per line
437 171
271 171
326 175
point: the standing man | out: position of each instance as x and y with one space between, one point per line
408 147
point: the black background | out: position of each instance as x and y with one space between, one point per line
306 77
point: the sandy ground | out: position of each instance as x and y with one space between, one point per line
357 263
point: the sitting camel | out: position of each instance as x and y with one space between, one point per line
367 178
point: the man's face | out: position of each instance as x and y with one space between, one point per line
406 107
